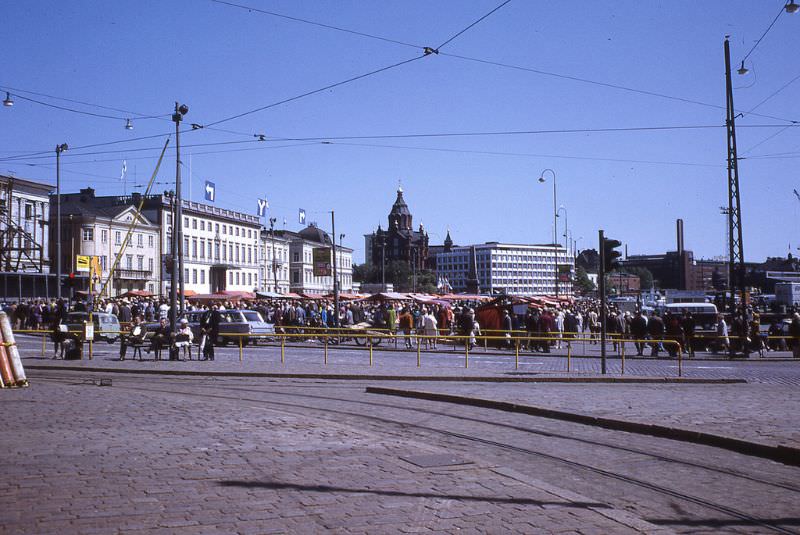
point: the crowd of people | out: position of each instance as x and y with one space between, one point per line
539 327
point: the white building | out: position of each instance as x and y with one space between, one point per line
274 263
98 226
506 268
220 248
24 215
301 262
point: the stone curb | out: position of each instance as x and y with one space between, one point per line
783 454
361 377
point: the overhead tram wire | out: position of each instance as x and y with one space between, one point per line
782 130
471 25
780 11
412 136
15 91
320 24
315 91
606 84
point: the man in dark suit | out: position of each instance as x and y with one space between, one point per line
209 326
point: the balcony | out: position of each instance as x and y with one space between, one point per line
133 274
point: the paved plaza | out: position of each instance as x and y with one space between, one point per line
273 452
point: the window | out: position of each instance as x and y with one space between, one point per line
150 264
249 255
216 251
104 236
194 276
129 261
216 228
230 252
169 220
237 278
202 276
296 257
194 247
140 240
88 234
296 276
249 279
202 249
185 222
230 277
224 231
194 223
150 240
202 225
186 274
28 211
224 252
104 263
237 253
185 246
237 231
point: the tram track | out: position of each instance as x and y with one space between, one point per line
380 422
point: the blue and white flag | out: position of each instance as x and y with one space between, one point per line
263 204
211 191
302 216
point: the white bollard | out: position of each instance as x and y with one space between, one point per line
11 350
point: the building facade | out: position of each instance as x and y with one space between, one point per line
505 268
24 215
301 262
274 264
400 242
104 227
221 248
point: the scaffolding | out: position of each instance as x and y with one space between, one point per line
21 247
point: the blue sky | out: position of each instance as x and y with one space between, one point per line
222 60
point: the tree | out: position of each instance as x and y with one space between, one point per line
583 281
645 276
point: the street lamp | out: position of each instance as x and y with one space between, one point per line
8 102
341 261
177 245
59 149
791 7
542 180
742 70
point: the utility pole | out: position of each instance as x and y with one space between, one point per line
59 149
735 245
177 224
602 284
335 273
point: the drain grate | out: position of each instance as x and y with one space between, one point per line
435 460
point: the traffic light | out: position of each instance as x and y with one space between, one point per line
169 264
70 282
610 254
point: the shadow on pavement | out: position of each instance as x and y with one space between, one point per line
327 488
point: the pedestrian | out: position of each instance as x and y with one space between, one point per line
655 328
209 327
406 323
639 332
431 330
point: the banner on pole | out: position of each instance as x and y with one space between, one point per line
263 204
322 261
301 216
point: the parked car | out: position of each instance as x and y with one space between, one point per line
235 321
106 326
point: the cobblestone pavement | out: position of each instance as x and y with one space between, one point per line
351 360
768 414
82 459
207 454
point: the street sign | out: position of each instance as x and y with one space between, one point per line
83 263
211 191
322 261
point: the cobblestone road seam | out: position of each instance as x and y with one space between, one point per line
782 454
362 377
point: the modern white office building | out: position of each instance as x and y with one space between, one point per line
506 268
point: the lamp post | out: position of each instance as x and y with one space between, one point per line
59 149
177 245
272 221
341 260
542 180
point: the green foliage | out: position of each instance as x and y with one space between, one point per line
645 277
582 280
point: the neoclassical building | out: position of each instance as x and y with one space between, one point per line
399 241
